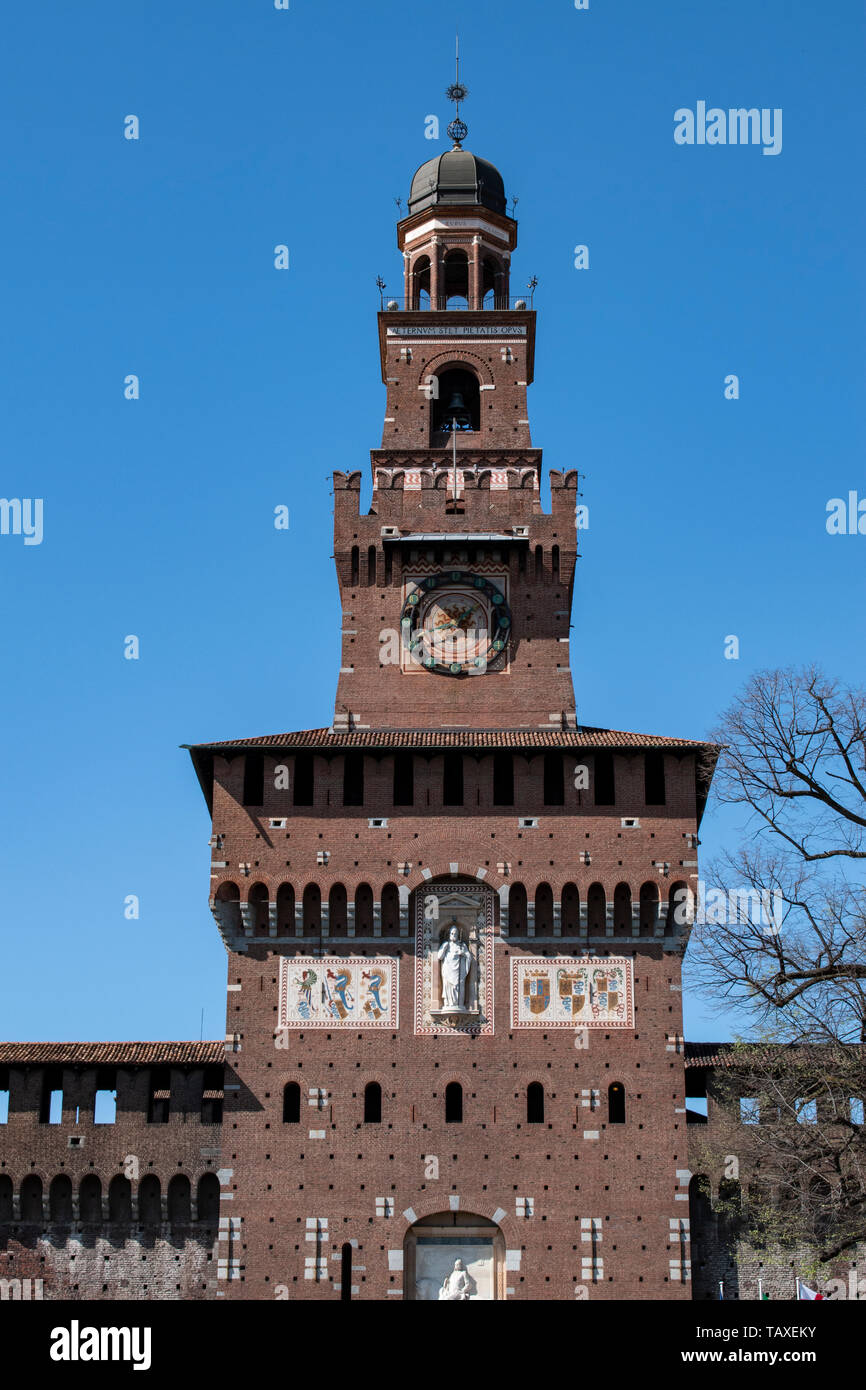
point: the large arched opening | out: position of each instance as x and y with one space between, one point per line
454 1256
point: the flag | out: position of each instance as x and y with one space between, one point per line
807 1293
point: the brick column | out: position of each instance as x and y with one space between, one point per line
503 910
475 281
403 892
435 268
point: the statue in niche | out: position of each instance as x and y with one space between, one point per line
455 959
456 1286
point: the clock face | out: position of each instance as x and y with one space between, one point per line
456 623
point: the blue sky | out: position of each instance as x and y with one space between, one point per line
155 257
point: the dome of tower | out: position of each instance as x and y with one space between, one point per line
458 176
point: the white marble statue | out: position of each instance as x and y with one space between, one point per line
455 1286
454 961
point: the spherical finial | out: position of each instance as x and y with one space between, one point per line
458 130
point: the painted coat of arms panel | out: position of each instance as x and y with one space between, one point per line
569 991
338 992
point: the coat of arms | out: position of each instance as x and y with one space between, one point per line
606 994
571 985
536 991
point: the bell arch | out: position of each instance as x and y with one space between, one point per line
456 402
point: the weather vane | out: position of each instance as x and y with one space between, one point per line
458 129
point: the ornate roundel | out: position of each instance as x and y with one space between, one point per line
455 623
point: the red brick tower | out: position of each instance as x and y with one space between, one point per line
454 1009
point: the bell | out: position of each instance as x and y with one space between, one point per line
455 416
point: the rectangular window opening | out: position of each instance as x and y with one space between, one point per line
404 779
554 779
605 789
51 1100
254 779
105 1098
654 778
452 780
503 779
159 1098
303 794
353 779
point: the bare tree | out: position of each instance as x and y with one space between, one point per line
783 931
781 934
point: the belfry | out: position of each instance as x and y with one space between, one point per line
455 916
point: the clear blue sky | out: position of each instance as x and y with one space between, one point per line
155 257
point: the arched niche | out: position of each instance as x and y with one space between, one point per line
434 1244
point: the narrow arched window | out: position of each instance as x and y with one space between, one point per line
120 1199
372 1103
150 1201
60 1200
90 1200
535 1103
616 1103
179 1200
346 1273
371 564
453 1103
355 571
31 1198
291 1103
208 1199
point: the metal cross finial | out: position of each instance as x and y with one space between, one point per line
457 92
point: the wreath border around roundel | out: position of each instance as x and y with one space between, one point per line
500 629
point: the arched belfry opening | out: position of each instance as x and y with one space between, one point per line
454 1257
456 279
419 295
456 404
494 283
